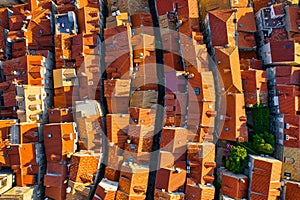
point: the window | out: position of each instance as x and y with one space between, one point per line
197 91
287 137
288 46
36 134
132 147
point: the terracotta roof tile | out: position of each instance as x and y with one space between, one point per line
229 68
265 176
16 22
255 86
46 4
258 4
32 4
239 3
283 46
293 19
222 21
39 30
292 190
222 27
196 191
294 36
88 20
164 6
20 9
247 64
90 3
202 161
278 9
254 78
288 75
19 48
278 34
288 98
291 131
234 185
249 55
235 127
223 15
65 8
4 17
246 21
3 34
15 35
246 40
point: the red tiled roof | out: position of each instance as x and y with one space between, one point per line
265 176
19 48
292 190
20 9
294 36
39 30
235 119
248 55
293 18
291 131
258 4
239 3
223 15
283 46
278 34
16 22
4 17
46 4
288 98
278 9
164 6
219 25
255 86
229 68
253 79
246 20
32 4
288 75
13 35
223 27
246 40
2 42
88 20
234 185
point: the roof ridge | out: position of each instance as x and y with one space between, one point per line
223 15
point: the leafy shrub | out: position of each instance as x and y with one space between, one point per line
263 143
236 160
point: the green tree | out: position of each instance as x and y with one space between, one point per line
261 143
261 119
236 161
